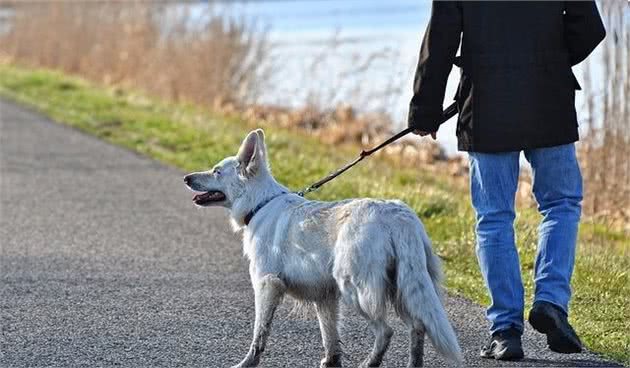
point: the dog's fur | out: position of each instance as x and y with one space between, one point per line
367 252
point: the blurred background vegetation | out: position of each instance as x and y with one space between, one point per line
226 57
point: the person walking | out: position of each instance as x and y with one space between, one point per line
516 94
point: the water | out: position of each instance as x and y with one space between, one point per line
310 69
302 30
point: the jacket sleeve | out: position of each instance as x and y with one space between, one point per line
437 53
583 29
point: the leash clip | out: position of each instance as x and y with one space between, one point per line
305 191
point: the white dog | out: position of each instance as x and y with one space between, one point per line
366 252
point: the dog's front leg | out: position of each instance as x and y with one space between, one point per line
268 293
328 316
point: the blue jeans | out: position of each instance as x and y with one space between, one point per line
557 186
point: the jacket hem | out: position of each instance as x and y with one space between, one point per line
470 147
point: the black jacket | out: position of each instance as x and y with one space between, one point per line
517 90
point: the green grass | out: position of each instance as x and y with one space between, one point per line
192 138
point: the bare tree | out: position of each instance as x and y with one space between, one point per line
605 151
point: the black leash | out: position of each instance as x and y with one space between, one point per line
446 114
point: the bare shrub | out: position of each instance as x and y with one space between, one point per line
205 58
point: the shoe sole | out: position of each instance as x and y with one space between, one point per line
557 340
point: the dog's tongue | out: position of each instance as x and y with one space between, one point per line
202 197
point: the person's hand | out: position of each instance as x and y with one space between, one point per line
422 133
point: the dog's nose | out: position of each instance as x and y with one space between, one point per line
187 179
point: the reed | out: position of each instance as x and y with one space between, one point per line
158 47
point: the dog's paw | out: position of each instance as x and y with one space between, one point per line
331 362
247 362
329 365
370 362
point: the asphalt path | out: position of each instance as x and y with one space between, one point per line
104 261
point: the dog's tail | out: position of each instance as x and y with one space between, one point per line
419 277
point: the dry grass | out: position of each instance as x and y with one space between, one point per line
159 48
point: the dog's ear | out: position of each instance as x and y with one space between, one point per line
262 147
251 154
261 135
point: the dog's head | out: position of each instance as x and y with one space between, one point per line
231 179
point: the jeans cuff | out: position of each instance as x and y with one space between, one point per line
559 306
507 326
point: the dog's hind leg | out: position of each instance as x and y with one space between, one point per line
328 315
268 291
416 336
416 347
374 308
383 335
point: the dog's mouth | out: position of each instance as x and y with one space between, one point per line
207 198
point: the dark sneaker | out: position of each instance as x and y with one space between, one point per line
552 321
504 345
